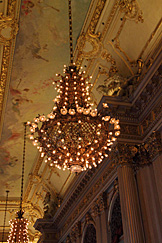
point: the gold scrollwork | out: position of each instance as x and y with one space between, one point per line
108 57
11 7
4 71
94 46
95 18
8 29
131 10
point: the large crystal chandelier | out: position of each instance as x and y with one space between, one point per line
74 135
19 225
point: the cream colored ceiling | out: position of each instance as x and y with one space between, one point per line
115 35
116 40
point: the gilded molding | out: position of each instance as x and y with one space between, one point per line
4 72
96 15
150 38
33 210
11 23
94 42
108 57
11 8
131 10
114 8
91 36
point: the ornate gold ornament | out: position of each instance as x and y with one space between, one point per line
8 32
8 28
96 15
131 10
91 37
139 155
89 46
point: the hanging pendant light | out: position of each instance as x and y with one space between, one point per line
74 135
19 225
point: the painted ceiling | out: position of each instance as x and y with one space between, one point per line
115 42
41 50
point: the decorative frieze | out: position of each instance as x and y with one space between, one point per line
100 204
75 232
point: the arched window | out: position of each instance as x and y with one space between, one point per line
116 222
90 234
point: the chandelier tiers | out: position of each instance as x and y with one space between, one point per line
74 136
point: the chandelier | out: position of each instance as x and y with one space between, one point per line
18 230
74 135
19 225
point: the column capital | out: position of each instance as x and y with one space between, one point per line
139 155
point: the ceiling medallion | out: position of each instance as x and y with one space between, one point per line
74 135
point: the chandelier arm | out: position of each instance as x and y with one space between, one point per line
70 32
23 167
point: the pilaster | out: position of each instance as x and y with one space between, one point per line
157 167
149 182
139 199
131 218
150 206
97 216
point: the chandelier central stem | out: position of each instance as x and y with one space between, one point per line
70 32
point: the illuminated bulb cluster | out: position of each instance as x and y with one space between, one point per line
74 135
18 231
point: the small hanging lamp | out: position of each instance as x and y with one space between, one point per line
19 225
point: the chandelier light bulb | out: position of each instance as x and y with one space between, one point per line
74 134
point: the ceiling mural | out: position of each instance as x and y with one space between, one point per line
115 41
41 50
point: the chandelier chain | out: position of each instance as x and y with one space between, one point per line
70 32
23 167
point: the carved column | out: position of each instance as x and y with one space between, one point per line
102 211
150 204
96 213
157 166
131 218
150 184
